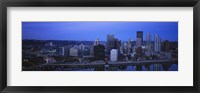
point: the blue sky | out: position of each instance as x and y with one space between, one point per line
89 31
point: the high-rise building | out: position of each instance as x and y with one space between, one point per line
157 43
139 39
99 52
129 46
114 55
148 42
121 50
91 50
117 44
110 43
96 42
81 49
139 42
87 50
126 48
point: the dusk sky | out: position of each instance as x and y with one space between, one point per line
90 31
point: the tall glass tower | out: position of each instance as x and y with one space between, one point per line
148 42
139 39
157 43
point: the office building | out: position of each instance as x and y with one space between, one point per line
157 43
110 43
148 42
114 55
96 42
81 49
129 46
139 42
91 50
121 50
139 38
99 52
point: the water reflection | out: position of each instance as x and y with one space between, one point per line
152 67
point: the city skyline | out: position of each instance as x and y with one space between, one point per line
76 46
93 30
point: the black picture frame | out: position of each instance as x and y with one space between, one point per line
98 3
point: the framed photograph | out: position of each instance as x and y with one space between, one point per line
106 46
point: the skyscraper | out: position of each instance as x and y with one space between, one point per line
91 49
121 50
148 42
81 49
125 48
157 43
96 42
139 39
139 42
112 43
99 52
117 44
129 46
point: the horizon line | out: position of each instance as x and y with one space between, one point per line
82 40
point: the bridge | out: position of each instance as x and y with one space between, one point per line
99 66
